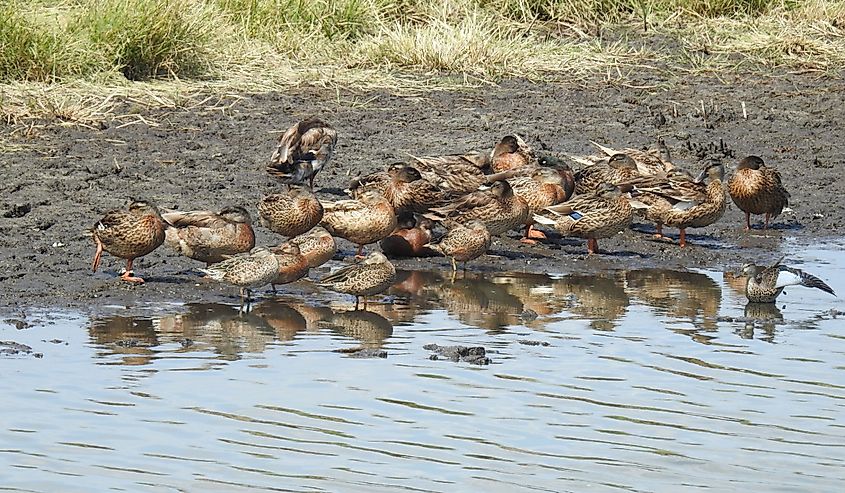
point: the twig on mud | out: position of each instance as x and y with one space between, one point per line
744 113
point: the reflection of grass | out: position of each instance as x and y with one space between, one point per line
403 44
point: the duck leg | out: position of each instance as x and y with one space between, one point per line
360 253
532 234
128 274
311 182
592 246
766 223
98 255
747 221
658 230
357 299
683 238
455 265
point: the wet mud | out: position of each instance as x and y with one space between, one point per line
61 178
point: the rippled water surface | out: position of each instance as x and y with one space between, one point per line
644 380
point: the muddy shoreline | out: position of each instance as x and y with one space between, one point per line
62 178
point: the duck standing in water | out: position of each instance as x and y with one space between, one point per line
368 277
464 242
247 271
764 284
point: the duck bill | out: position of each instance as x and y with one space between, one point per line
701 176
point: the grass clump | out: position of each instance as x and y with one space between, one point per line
150 38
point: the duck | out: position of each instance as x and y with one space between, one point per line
593 216
208 236
497 206
511 153
463 242
290 214
403 186
619 168
456 174
764 284
371 276
693 205
656 192
540 187
650 162
292 264
247 271
302 151
757 189
129 234
410 238
318 246
564 170
363 221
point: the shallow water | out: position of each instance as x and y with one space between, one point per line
637 381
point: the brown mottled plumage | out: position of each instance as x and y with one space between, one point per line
511 153
208 236
693 206
318 246
464 242
592 216
371 276
128 234
303 150
543 188
292 213
456 173
757 189
764 284
292 264
650 162
409 239
619 168
246 270
499 208
362 221
403 186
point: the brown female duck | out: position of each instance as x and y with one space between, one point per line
410 238
303 150
208 236
129 234
464 242
318 246
403 186
457 174
650 162
540 187
498 208
292 213
757 189
363 221
371 276
598 215
693 205
764 284
619 168
246 270
292 264
511 153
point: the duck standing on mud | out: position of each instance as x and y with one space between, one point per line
764 284
303 150
497 207
129 234
757 189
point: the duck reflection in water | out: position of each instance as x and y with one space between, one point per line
133 338
762 316
371 329
679 294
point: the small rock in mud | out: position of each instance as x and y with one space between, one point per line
186 342
360 352
474 355
12 348
129 343
17 323
17 210
529 342
528 315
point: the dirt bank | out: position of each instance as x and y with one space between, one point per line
62 178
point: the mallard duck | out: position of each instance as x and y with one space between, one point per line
208 236
593 216
410 238
317 246
290 214
564 170
619 168
129 234
247 271
403 186
656 192
362 221
764 284
511 153
757 189
692 205
303 150
292 264
650 162
540 187
456 174
372 275
464 242
499 208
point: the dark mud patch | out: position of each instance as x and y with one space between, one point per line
65 177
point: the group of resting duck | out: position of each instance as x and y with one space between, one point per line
474 196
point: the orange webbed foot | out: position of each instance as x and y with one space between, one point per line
129 276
